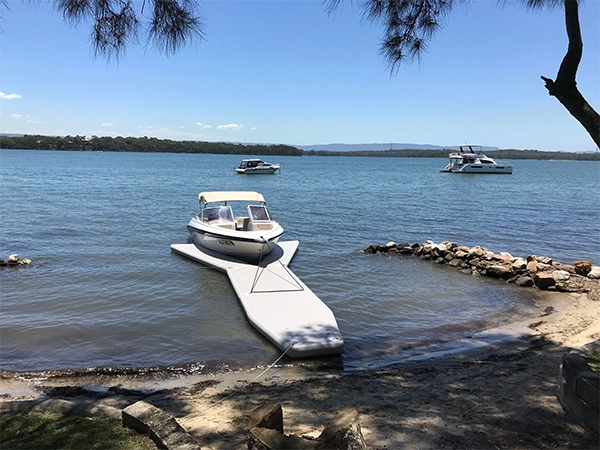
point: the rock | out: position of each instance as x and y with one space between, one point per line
13 259
461 254
565 267
519 264
25 261
541 267
269 415
500 271
268 439
476 251
463 248
594 274
543 280
474 261
582 267
531 258
524 281
161 427
390 244
344 432
406 250
560 275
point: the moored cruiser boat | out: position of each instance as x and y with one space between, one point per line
246 236
257 167
470 161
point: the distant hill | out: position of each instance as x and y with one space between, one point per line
379 147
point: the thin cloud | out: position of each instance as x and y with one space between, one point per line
107 124
230 126
16 116
203 125
4 96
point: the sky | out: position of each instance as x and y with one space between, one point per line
287 72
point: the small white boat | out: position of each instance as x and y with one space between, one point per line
257 167
248 236
467 160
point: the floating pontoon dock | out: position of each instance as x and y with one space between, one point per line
276 302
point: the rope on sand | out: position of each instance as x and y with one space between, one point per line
255 378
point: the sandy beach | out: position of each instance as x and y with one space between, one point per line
496 390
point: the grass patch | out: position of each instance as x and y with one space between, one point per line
51 430
594 360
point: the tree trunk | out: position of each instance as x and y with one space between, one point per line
565 86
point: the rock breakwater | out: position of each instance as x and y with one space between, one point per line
532 271
13 260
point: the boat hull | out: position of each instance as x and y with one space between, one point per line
244 245
482 168
258 171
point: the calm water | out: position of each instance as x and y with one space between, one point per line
106 291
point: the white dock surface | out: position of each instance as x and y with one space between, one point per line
276 301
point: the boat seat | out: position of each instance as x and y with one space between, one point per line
260 226
228 226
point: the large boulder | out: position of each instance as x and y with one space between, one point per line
500 271
543 280
582 267
594 274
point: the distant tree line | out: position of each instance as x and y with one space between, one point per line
496 154
143 144
154 145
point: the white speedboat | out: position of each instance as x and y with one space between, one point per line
247 236
257 166
467 160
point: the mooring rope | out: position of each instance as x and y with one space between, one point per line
260 270
255 378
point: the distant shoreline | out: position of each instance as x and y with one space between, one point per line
153 145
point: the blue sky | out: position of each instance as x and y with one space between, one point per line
284 71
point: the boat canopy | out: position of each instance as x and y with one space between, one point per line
230 196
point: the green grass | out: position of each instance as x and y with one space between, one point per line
51 430
594 360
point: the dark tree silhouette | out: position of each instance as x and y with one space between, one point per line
410 24
169 24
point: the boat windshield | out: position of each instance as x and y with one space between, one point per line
217 214
259 213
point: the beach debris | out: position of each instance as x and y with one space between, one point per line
266 431
13 260
540 272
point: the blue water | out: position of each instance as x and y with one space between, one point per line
106 291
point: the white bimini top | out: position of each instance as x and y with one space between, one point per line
230 196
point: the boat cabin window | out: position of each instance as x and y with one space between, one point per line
258 213
218 214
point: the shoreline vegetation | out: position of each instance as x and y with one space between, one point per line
154 145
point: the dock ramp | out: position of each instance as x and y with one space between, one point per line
276 301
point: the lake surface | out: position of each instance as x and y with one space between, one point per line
105 290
